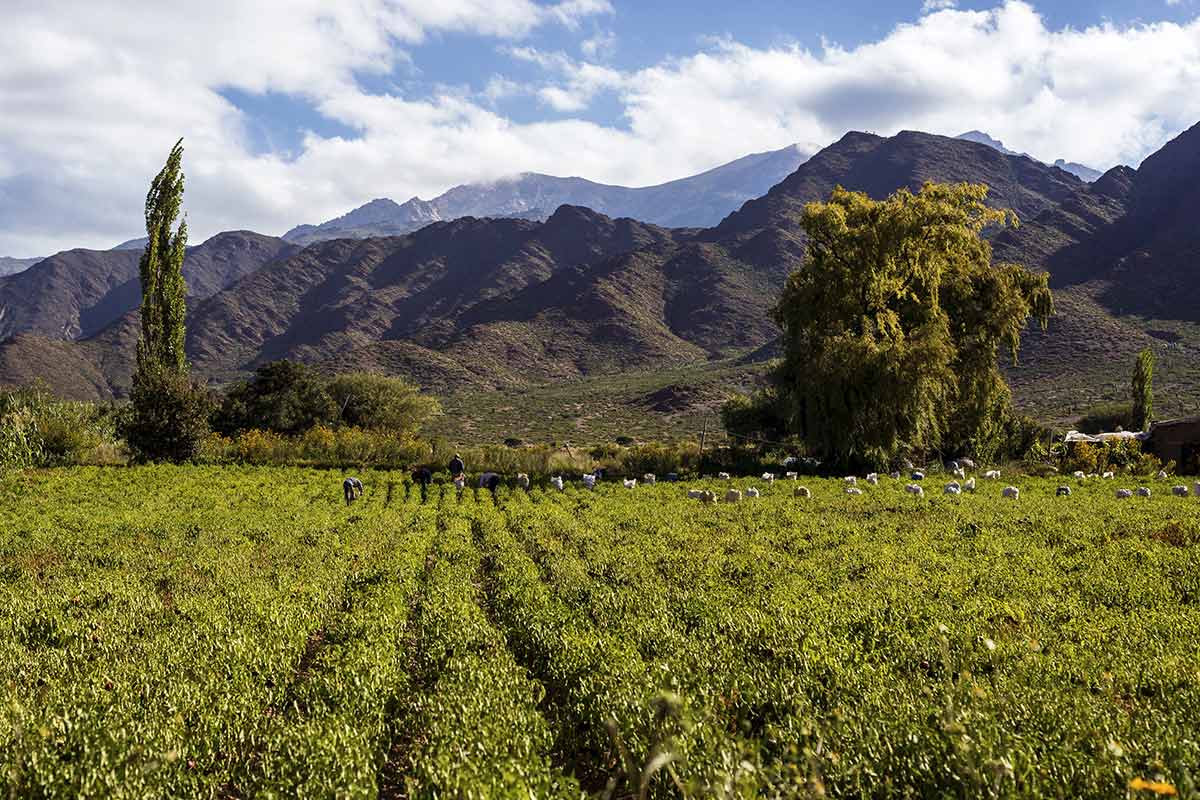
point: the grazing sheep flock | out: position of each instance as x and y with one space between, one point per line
851 485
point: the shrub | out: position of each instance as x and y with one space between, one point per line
167 417
36 430
378 402
1106 417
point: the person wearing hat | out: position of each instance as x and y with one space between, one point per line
456 467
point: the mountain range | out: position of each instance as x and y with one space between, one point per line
694 202
490 309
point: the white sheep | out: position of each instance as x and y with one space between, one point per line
801 491
960 473
1143 491
723 476
752 492
873 479
695 494
769 477
854 490
1108 476
649 479
969 485
733 496
522 480
1011 492
953 488
631 483
912 488
791 476
1179 491
557 482
1063 491
1162 475
708 497
1124 494
992 475
1079 475
918 475
1196 490
589 481
966 463
850 480
895 476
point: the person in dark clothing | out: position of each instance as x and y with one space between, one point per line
456 466
422 477
353 489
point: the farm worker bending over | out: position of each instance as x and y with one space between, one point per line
352 488
456 466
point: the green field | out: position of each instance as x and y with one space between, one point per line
226 632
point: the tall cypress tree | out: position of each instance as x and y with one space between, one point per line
167 416
1143 390
163 287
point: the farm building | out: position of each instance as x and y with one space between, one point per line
1177 440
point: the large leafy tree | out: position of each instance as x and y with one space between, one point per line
893 326
284 396
1143 390
167 417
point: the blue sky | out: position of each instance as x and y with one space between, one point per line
637 35
297 110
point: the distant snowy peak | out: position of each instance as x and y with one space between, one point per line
1084 173
696 201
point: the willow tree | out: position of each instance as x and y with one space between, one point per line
892 328
167 416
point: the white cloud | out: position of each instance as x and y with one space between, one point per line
92 100
930 6
600 46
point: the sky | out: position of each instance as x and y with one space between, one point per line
296 111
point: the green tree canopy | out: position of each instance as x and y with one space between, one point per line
284 396
368 400
1143 390
892 328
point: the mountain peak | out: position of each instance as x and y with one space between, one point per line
979 137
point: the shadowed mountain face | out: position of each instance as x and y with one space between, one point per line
694 202
503 304
77 293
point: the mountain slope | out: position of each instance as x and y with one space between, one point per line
77 293
696 201
11 266
1080 171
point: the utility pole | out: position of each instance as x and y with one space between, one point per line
703 434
